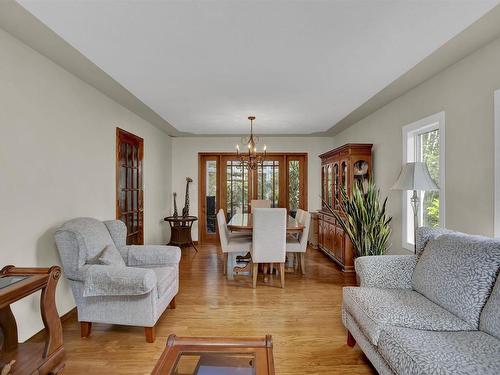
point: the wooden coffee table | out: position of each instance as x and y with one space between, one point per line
31 358
221 356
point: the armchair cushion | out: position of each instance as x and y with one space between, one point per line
386 271
118 231
110 256
104 280
151 255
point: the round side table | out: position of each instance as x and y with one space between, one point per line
180 231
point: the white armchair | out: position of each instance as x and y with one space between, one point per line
231 244
134 288
298 246
269 239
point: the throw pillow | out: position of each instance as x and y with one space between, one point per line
109 256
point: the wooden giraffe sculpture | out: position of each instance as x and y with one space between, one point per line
185 210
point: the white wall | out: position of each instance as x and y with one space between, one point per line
57 162
185 163
465 92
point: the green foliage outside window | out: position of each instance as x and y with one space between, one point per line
429 143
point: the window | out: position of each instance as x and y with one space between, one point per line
497 165
268 181
423 141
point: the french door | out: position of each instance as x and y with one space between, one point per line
129 185
226 183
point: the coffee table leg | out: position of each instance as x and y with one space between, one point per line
50 317
9 329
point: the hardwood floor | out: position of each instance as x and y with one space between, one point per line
304 320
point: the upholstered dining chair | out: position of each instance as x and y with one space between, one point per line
298 214
114 283
231 244
298 246
260 203
269 240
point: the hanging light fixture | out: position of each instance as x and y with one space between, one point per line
252 158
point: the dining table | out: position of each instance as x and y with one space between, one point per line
242 222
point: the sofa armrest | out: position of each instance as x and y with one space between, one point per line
104 280
150 255
386 271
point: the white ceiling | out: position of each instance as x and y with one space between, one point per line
299 66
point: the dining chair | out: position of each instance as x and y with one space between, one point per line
298 214
229 234
231 244
298 246
269 240
260 203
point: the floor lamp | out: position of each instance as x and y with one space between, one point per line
415 176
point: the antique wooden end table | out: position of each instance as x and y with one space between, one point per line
31 357
180 231
221 356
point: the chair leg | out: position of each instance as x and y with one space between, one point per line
351 341
150 334
282 274
225 263
303 263
85 329
172 304
255 271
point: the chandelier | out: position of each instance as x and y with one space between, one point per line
252 159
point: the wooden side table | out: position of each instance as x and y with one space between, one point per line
180 231
31 358
204 355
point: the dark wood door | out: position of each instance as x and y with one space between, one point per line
209 197
129 185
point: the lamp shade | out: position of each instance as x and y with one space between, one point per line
415 176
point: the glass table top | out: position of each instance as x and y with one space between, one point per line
6 281
215 363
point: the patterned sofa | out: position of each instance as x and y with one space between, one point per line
437 312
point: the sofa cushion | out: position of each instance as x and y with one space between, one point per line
375 308
412 352
490 317
457 272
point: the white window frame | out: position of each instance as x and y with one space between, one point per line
496 219
410 132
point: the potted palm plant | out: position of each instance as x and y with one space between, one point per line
364 219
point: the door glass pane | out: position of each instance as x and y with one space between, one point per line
293 186
336 194
237 188
428 152
329 185
268 181
211 190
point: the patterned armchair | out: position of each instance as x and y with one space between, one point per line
134 289
437 312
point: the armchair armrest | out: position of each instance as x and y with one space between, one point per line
104 280
151 255
386 271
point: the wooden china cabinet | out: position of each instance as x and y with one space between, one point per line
340 167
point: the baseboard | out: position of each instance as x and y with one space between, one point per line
40 335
